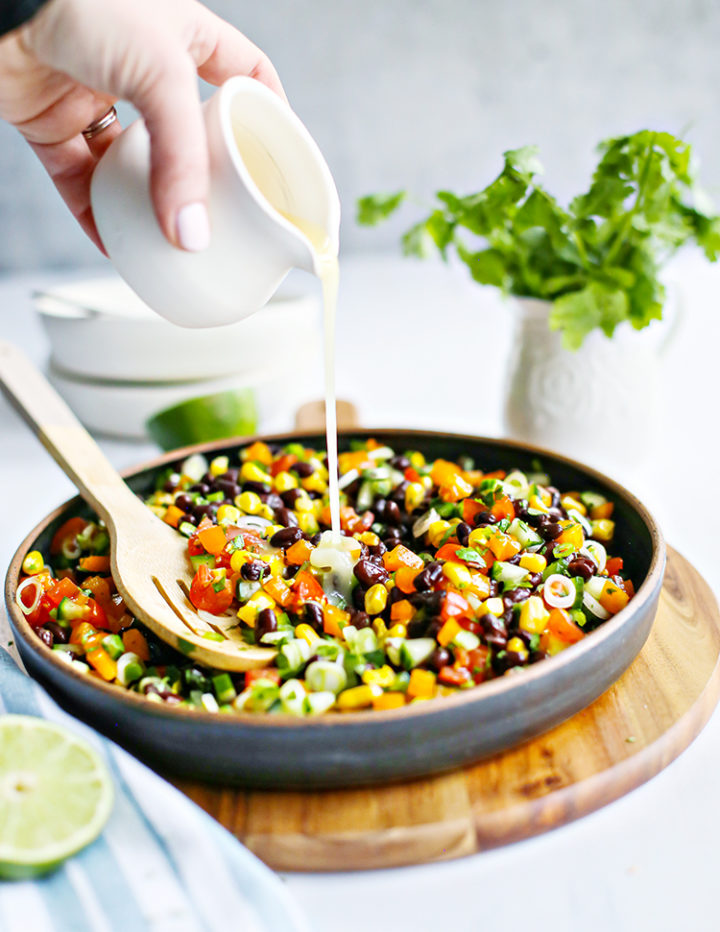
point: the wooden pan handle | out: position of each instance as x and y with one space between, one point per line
60 432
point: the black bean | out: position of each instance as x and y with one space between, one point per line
428 577
45 636
359 619
302 469
206 511
60 635
378 549
265 622
400 462
396 595
229 488
358 597
368 573
257 487
315 539
392 513
379 507
285 517
514 596
398 493
286 537
183 502
191 518
515 560
434 627
555 495
201 488
520 505
253 570
438 659
314 615
417 627
548 528
290 497
272 500
290 571
483 518
535 579
582 566
170 485
462 531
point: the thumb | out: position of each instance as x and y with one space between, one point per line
169 101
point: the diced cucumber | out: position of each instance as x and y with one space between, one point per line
276 638
224 688
70 611
365 496
523 533
72 650
415 651
592 500
202 559
467 640
246 589
393 646
317 703
508 573
113 645
324 676
209 702
595 586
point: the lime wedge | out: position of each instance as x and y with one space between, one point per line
210 417
55 795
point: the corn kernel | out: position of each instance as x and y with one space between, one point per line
368 538
228 514
307 523
376 599
517 646
603 530
33 563
219 465
535 562
457 573
308 634
398 630
304 503
380 628
436 532
494 606
427 482
414 496
384 676
417 460
248 502
422 684
537 503
284 481
568 503
533 615
479 537
251 472
314 484
239 559
256 603
265 511
359 697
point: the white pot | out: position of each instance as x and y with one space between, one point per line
253 246
598 404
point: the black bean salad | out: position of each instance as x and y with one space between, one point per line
445 577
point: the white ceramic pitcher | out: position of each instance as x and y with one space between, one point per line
253 246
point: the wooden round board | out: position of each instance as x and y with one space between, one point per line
623 739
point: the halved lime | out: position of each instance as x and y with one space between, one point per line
56 795
209 417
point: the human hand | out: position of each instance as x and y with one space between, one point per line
67 66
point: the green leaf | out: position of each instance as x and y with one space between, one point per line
376 207
418 242
486 267
579 313
525 161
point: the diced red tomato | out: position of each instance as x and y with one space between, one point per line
63 589
203 595
70 529
454 605
614 566
447 552
264 673
451 676
503 508
307 588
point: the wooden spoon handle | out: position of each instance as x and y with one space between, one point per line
61 433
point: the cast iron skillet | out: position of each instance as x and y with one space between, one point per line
368 747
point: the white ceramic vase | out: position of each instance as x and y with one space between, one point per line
598 404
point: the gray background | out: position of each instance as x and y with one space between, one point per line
427 93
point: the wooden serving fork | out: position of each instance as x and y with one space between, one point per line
148 558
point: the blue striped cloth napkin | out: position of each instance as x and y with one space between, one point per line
161 863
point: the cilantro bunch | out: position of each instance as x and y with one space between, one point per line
598 260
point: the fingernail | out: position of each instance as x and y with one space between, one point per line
193 227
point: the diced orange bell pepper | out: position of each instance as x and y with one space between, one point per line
334 619
386 701
136 642
452 676
99 658
448 552
283 463
63 589
602 511
401 556
71 528
81 632
213 539
95 564
173 516
412 475
100 586
503 508
472 508
279 590
405 578
503 546
402 611
573 535
260 452
422 684
356 459
298 553
613 598
443 472
629 587
561 625
307 588
448 631
496 474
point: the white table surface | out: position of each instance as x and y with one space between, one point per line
646 862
